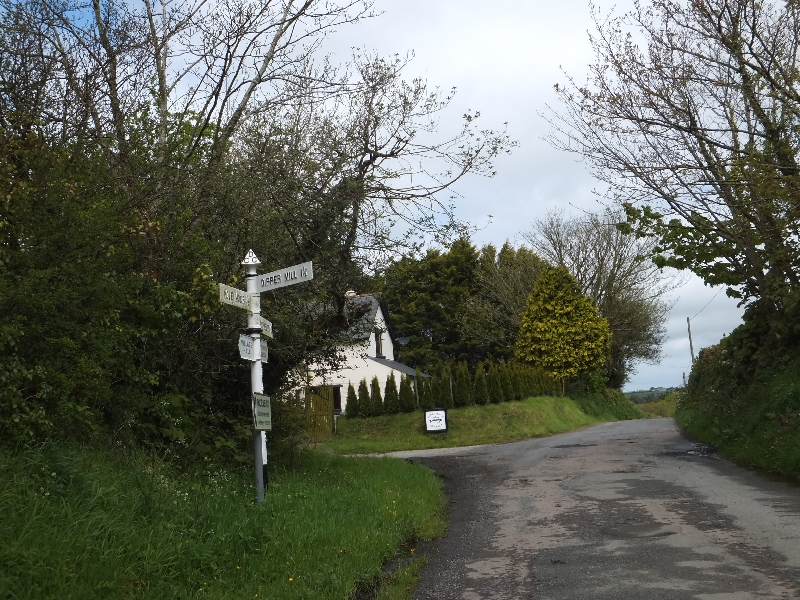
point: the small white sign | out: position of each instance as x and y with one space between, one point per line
262 413
255 304
288 276
234 297
246 347
264 351
266 326
436 420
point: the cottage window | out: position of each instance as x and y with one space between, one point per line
379 343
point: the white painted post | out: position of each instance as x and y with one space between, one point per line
256 381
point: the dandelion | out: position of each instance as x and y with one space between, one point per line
291 578
237 566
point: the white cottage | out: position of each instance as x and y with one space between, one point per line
372 354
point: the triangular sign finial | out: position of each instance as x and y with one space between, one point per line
251 259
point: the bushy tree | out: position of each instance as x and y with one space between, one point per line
364 400
426 393
425 298
562 331
352 408
490 318
391 397
608 265
481 390
407 401
376 397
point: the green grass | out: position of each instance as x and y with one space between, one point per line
663 408
78 523
467 426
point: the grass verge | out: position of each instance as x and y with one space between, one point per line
80 523
467 426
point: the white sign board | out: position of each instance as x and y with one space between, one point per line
262 412
436 420
246 347
264 351
234 297
266 326
288 276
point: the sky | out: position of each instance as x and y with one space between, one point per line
504 57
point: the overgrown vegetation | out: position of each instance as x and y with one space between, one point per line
743 397
80 523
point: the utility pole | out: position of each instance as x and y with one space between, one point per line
691 345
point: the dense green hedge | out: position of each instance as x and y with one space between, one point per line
743 395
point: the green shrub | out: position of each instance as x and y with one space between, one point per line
481 391
391 397
376 397
407 401
352 408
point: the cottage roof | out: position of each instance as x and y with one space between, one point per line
368 305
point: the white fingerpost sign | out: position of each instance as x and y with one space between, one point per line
230 295
251 347
262 412
283 277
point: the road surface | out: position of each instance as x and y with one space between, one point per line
627 510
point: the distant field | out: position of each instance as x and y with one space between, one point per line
646 396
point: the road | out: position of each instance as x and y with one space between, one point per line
627 510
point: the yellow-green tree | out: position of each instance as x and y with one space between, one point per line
561 329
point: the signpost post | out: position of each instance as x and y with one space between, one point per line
251 347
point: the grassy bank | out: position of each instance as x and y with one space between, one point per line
493 423
82 524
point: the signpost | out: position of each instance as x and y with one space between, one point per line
251 347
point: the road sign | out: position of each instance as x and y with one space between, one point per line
262 412
246 347
283 277
234 297
266 326
264 351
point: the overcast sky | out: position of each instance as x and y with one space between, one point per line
504 57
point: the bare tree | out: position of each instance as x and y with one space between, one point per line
611 268
691 116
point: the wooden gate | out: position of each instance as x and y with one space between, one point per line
319 412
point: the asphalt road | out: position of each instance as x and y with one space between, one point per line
621 510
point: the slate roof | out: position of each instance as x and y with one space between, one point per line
392 364
369 304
